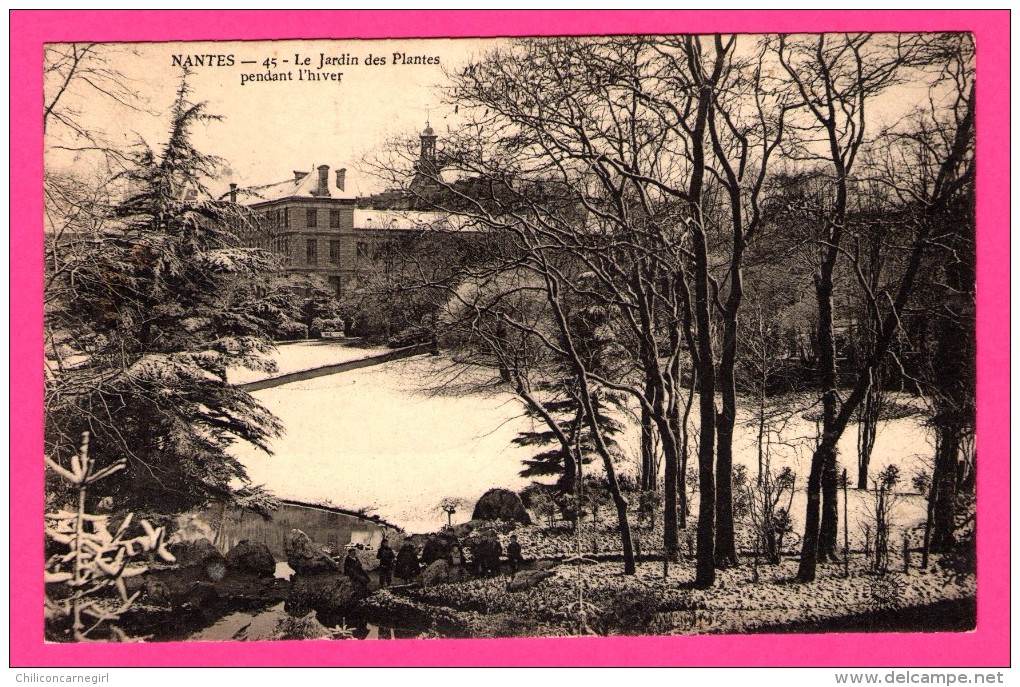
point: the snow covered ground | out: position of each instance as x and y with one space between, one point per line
306 355
373 438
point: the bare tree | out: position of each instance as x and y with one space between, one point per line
78 77
836 77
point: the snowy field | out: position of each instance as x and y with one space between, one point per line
306 355
372 438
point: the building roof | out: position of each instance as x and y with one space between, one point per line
410 220
303 187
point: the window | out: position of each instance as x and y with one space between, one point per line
362 249
334 219
312 217
334 252
286 218
334 284
312 251
286 250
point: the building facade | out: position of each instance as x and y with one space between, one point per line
319 227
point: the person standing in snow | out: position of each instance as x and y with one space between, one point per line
513 555
386 559
407 567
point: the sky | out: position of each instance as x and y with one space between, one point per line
271 128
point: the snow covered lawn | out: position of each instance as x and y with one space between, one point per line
375 438
371 438
306 355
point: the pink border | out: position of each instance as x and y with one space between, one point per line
987 646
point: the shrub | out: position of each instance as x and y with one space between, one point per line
330 324
501 504
412 336
291 331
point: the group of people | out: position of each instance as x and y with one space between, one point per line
405 564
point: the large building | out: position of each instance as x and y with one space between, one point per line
319 227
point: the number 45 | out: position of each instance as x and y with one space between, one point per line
270 63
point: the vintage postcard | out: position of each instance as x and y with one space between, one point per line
652 330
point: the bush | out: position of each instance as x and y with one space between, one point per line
412 336
291 331
501 504
324 324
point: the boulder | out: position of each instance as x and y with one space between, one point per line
501 504
194 551
252 557
527 579
436 573
305 556
330 595
200 553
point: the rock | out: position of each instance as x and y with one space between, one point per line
305 627
330 595
501 504
200 553
252 557
436 573
194 551
305 556
200 595
544 565
527 579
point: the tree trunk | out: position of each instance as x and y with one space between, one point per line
828 538
671 535
943 490
817 520
649 464
725 544
867 429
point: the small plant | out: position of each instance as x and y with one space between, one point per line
544 505
885 592
921 482
770 521
885 500
649 503
97 559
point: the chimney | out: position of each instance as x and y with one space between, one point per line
340 175
323 189
233 193
298 176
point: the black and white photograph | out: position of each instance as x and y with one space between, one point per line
472 338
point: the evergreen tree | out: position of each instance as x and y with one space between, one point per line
144 317
557 459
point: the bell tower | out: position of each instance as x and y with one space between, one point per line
427 157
